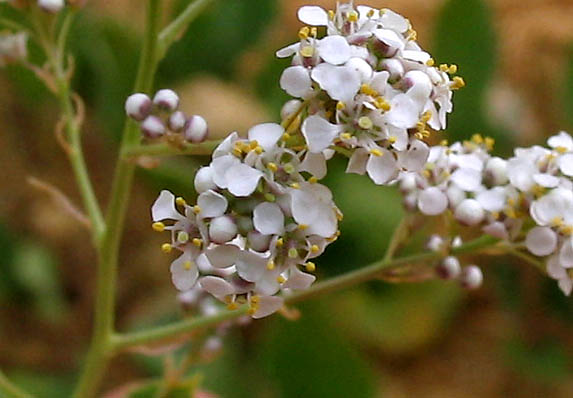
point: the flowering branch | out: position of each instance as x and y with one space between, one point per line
347 280
165 149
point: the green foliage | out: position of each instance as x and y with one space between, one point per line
216 40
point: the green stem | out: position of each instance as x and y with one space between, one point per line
175 29
100 348
397 238
9 390
164 149
352 278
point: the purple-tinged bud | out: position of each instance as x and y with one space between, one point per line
167 100
138 106
52 6
196 129
449 268
471 277
152 127
469 212
258 241
177 121
222 229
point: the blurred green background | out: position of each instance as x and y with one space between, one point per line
511 338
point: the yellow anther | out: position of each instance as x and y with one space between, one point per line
346 136
253 144
255 299
281 279
182 237
197 242
567 230
489 143
495 215
187 265
430 62
303 33
310 266
313 32
557 222
252 310
477 138
237 152
158 226
412 34
292 252
196 209
166 248
232 306
180 201
444 142
381 103
426 173
307 51
286 136
376 152
510 212
339 216
313 180
444 67
453 69
420 126
370 13
419 136
295 185
368 90
352 16
426 116
272 167
458 83
271 265
340 106
302 227
280 242
259 150
561 149
314 249
365 123
331 14
392 139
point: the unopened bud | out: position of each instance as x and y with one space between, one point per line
52 6
469 212
222 229
166 99
435 243
138 106
177 121
196 129
152 127
471 277
449 268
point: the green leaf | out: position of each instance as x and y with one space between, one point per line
216 39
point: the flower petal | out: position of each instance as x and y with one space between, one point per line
164 208
295 80
315 164
382 169
184 272
319 133
340 82
212 204
223 256
541 241
313 15
432 201
216 286
334 49
268 219
298 280
266 134
268 305
242 180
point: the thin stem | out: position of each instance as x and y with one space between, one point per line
397 238
341 282
164 149
100 348
9 390
172 32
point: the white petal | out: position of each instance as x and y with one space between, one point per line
415 157
469 212
220 166
268 219
546 180
554 269
226 146
497 230
566 253
467 179
312 207
416 55
164 208
340 82
541 241
251 267
216 286
492 199
562 140
313 15
184 272
394 21
204 180
242 180
315 164
390 38
358 161
566 285
223 256
404 112
298 280
268 305
212 204
288 51
362 67
295 80
520 173
266 134
382 169
334 49
432 201
566 164
319 133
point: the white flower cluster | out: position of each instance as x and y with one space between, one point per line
13 48
162 118
257 223
531 193
369 88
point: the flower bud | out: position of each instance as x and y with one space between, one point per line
394 67
496 171
138 106
204 180
196 129
258 241
457 241
166 99
222 229
152 127
176 121
435 243
471 277
52 6
449 268
469 212
290 108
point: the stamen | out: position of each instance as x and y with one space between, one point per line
272 167
310 266
271 265
158 226
376 152
314 249
166 248
307 51
281 279
180 201
197 242
365 123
